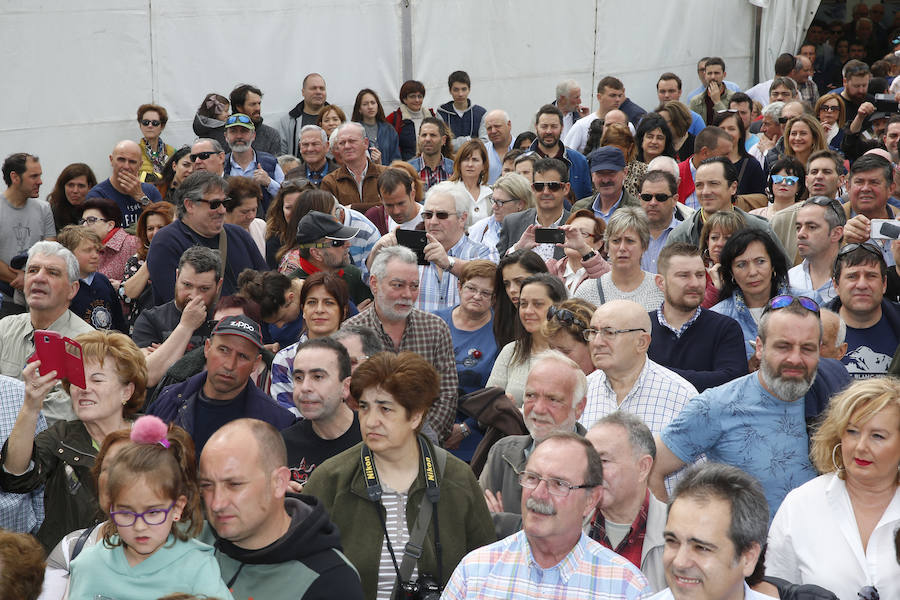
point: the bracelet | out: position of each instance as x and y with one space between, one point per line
588 256
465 429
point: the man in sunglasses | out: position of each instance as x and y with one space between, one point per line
608 178
124 185
659 199
262 167
208 155
756 422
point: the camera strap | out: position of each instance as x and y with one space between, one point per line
413 549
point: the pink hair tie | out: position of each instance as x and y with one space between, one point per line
150 430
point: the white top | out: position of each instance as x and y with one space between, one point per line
647 294
578 134
749 594
814 539
479 207
511 377
258 233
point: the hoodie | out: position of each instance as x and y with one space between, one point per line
306 562
214 129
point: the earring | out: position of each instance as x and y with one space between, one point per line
834 458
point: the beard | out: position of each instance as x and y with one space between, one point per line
784 388
240 146
390 311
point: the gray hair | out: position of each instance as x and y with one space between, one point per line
288 159
387 254
455 190
517 186
317 129
625 218
793 308
787 82
195 186
773 110
564 88
749 509
332 140
665 163
581 384
47 248
202 260
216 146
639 435
501 112
371 343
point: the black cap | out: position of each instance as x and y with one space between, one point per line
316 225
241 326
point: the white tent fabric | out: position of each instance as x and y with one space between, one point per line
784 23
76 72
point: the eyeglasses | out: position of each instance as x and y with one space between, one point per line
213 204
238 119
557 487
829 108
553 186
148 122
154 516
658 197
502 203
440 214
91 220
477 292
786 179
202 155
785 300
607 333
830 203
868 593
867 246
565 316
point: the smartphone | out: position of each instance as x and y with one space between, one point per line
61 354
415 240
885 229
549 235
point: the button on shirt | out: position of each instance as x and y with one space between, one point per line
438 288
651 254
274 182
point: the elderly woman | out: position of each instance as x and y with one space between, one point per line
627 236
69 193
511 194
60 458
373 506
152 119
837 531
564 331
470 169
584 250
102 216
409 116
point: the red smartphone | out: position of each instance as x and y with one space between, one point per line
61 354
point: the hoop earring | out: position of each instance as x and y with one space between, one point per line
834 458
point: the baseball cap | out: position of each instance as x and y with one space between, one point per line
240 120
241 326
316 225
606 158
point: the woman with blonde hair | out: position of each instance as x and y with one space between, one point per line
511 194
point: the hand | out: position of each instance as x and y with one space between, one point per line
714 91
575 240
526 242
260 176
364 304
715 275
857 230
753 364
866 109
494 502
435 253
584 111
37 386
827 126
274 347
116 282
130 183
295 487
375 154
194 313
456 436
895 251
19 281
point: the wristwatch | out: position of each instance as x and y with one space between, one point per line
450 262
588 256
465 430
144 200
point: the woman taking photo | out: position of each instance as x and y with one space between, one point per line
69 193
857 450
564 331
383 143
102 216
653 138
470 168
513 269
152 119
511 194
538 293
832 114
176 169
406 119
60 458
803 135
751 179
394 392
718 228
135 289
584 250
787 186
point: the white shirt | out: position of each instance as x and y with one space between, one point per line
749 594
814 539
411 224
578 134
799 280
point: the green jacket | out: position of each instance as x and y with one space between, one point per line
462 515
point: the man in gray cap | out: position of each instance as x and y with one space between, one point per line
608 176
324 245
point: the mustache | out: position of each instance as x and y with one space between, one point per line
544 508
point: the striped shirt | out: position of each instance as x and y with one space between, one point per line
23 513
507 569
395 521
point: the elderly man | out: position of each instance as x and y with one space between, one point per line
553 401
201 222
733 423
629 519
608 178
568 100
208 155
244 161
871 183
771 131
551 557
269 543
306 112
51 281
398 207
224 391
394 279
355 183
124 185
499 132
314 154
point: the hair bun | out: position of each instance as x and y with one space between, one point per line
150 430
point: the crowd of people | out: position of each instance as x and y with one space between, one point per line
623 354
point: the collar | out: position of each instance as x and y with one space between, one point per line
89 278
606 215
249 165
559 221
568 566
310 268
678 332
639 525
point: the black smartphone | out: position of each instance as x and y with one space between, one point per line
415 240
549 235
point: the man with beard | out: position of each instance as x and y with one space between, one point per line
856 76
548 125
262 167
394 279
431 164
247 100
757 422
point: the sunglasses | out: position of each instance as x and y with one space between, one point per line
553 186
326 244
830 203
566 317
658 197
203 155
785 300
829 108
213 204
148 122
440 214
867 246
785 179
238 119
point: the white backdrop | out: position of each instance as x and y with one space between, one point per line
74 73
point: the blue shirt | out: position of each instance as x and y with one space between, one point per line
697 124
648 260
436 293
495 163
274 182
596 207
870 350
743 425
22 513
131 208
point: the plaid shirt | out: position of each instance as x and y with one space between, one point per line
678 332
431 176
18 512
437 292
632 544
428 336
507 569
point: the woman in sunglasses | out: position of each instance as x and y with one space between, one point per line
753 271
857 450
804 135
751 179
564 329
832 114
787 185
152 119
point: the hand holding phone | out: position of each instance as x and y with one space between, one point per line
549 235
61 354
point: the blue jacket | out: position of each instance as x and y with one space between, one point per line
467 125
388 143
268 163
579 172
734 307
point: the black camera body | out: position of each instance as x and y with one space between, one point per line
424 588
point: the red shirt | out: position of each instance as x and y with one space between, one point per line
631 545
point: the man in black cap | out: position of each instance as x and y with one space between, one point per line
324 245
223 392
608 177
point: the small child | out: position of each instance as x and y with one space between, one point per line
148 548
96 300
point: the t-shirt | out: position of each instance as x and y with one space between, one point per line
306 450
210 415
475 353
131 208
20 229
870 350
155 325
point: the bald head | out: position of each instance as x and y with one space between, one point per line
619 348
792 109
498 127
251 439
125 160
631 314
615 116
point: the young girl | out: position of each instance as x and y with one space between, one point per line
148 548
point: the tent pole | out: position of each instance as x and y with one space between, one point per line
406 65
757 43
